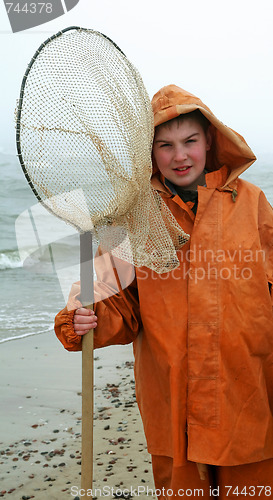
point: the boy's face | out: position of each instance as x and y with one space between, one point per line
180 152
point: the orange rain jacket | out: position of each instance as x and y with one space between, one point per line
203 333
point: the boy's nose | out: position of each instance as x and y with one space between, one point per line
180 154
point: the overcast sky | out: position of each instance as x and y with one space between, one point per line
219 50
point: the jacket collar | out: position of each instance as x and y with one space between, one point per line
218 179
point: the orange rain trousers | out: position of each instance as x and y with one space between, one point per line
250 481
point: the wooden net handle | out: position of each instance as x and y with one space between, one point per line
87 411
87 298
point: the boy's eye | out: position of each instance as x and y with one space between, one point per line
165 144
190 140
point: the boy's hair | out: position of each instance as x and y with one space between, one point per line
196 116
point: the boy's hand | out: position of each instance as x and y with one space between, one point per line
84 320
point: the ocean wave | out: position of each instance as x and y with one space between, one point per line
8 339
10 260
41 258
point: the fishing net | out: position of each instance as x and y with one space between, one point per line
84 138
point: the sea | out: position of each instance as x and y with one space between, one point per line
39 257
39 254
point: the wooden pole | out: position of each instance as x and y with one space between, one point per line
87 299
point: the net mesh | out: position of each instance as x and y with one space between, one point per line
85 129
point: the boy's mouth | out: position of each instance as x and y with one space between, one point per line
182 170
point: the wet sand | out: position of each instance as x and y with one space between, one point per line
40 438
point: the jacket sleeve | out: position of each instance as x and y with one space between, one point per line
266 237
116 306
64 326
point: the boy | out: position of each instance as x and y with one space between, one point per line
203 333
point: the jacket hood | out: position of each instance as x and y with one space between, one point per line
228 148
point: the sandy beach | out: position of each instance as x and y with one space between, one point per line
40 440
